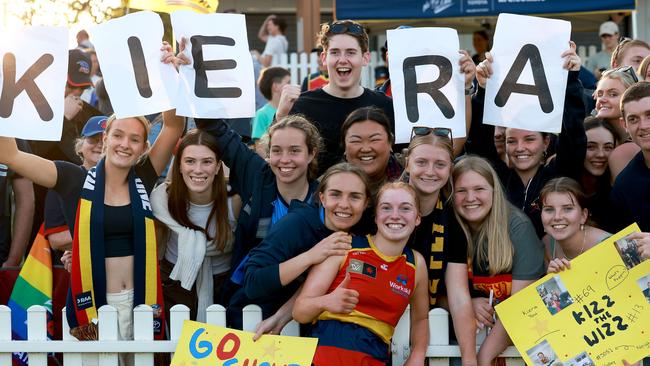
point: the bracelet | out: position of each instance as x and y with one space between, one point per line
471 90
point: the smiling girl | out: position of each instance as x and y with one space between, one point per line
114 259
439 237
527 150
306 236
199 220
266 189
503 250
357 297
564 215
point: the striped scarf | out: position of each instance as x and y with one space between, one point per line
88 279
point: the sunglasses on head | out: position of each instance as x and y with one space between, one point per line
349 28
437 131
628 70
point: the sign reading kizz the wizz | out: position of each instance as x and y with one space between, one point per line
203 344
596 313
217 83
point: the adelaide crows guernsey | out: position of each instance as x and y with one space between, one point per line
385 285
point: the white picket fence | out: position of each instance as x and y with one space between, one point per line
143 346
303 64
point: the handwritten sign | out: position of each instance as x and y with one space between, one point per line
219 82
128 50
595 313
33 78
426 82
203 344
528 84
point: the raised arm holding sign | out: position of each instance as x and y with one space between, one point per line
218 80
128 49
527 148
527 88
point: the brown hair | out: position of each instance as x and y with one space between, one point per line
634 93
270 76
623 45
178 202
399 185
325 34
432 139
363 114
312 138
491 243
564 185
345 168
594 122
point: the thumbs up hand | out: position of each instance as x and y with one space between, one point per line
342 300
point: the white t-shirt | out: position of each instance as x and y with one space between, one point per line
198 215
276 45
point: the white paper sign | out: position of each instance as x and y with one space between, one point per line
33 78
128 50
426 82
219 82
527 88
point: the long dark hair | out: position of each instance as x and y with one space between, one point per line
179 202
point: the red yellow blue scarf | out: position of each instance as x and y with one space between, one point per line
88 279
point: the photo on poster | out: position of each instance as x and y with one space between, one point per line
627 249
644 284
581 359
543 355
554 295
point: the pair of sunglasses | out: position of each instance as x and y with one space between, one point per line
346 28
628 70
438 131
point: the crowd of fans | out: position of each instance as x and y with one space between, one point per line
323 220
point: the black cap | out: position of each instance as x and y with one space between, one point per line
79 69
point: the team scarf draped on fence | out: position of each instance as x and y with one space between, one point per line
33 287
88 280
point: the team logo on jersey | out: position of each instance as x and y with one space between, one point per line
361 267
384 266
399 286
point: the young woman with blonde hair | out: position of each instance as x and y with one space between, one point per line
439 237
504 252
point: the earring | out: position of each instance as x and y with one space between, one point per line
582 227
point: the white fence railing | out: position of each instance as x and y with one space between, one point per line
303 64
143 346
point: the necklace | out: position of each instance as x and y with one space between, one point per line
584 241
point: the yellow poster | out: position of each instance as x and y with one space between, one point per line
167 6
203 344
596 313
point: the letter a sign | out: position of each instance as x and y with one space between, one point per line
33 76
528 85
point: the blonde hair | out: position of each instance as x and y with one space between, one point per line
433 140
145 124
491 242
625 78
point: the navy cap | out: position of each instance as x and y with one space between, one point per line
79 69
94 126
